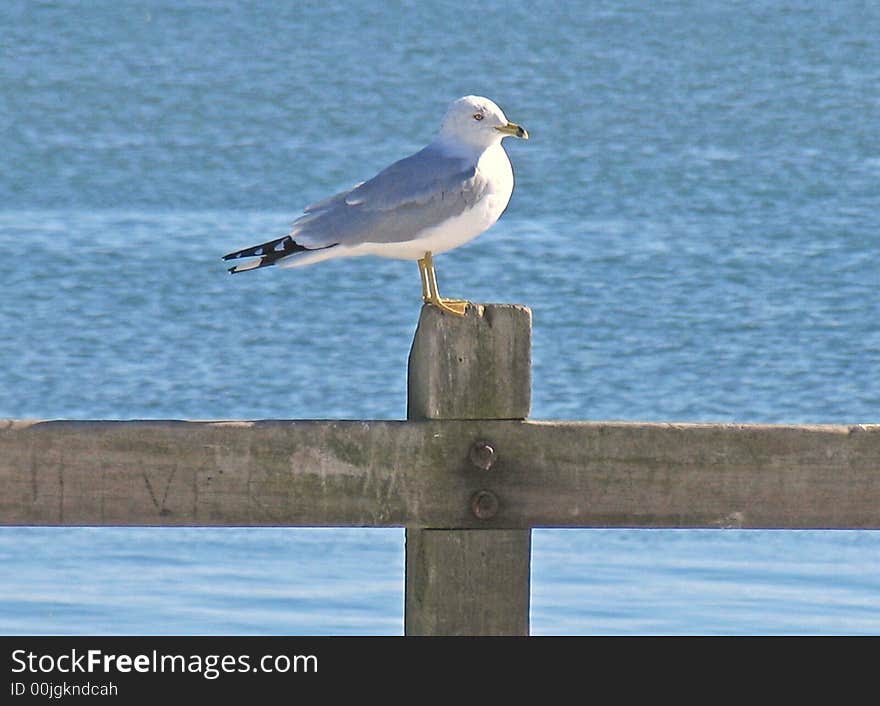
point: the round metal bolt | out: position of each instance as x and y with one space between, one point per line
483 455
484 504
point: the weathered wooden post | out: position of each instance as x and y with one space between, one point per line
470 581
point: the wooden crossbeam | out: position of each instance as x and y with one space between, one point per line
466 459
422 474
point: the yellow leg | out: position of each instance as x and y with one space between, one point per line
423 274
431 292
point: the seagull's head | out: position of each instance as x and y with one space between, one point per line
478 122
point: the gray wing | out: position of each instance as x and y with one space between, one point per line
416 193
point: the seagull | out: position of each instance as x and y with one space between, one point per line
437 199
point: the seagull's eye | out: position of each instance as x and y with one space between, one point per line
478 116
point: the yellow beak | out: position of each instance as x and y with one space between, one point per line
513 130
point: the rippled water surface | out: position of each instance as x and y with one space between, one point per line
694 227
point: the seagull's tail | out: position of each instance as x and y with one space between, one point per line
269 253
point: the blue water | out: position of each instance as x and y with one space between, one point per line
694 227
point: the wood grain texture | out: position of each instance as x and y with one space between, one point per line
464 581
478 366
467 582
418 474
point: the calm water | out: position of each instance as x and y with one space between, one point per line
694 227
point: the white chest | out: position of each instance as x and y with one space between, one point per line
467 226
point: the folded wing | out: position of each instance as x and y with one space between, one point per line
403 200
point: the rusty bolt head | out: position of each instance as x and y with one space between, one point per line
483 455
484 504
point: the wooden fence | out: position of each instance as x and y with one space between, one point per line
466 474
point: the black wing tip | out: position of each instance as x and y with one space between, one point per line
264 262
269 253
273 250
